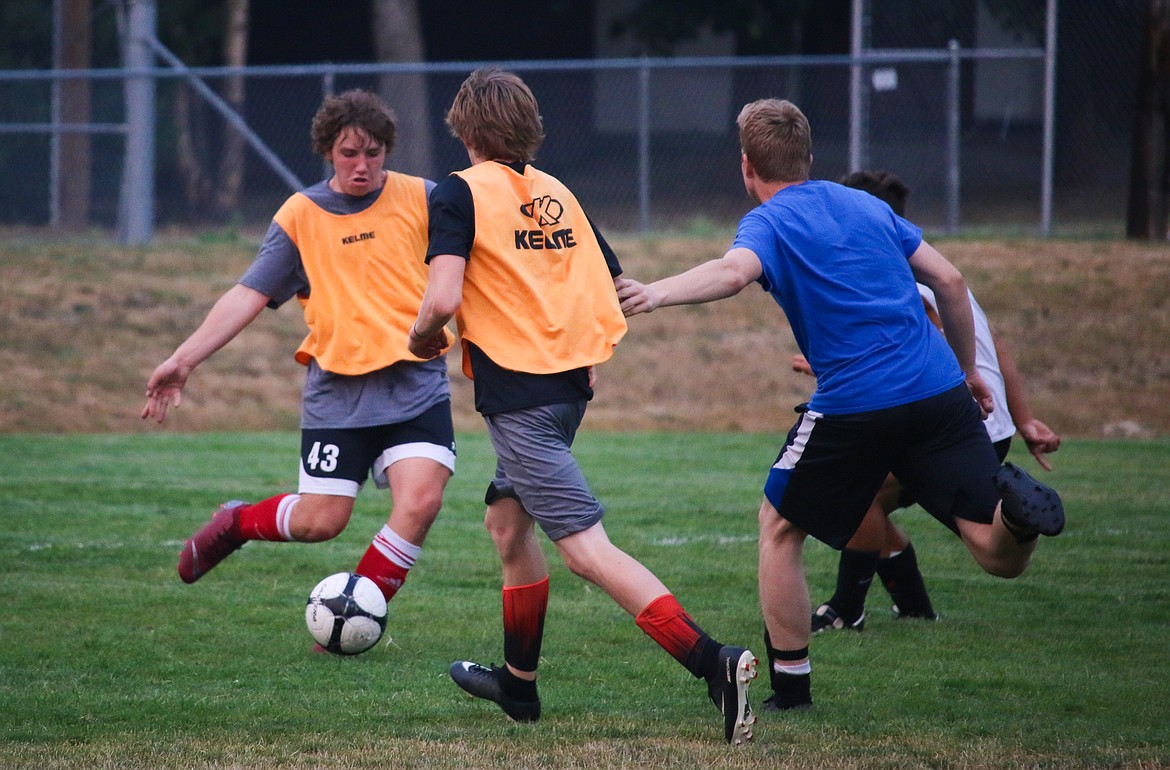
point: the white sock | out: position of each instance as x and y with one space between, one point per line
792 669
391 545
284 514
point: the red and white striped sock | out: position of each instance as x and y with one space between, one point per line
388 560
268 519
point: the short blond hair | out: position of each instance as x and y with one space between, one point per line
495 114
775 136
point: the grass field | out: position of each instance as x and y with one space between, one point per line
109 661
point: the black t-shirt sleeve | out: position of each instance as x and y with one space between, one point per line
451 212
611 260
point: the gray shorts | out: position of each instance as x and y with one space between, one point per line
534 465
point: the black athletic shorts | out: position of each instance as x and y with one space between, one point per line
1002 447
337 461
832 465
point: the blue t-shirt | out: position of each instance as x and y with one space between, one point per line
836 260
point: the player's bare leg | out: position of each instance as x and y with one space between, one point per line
416 487
786 606
727 669
591 555
525 598
416 490
995 548
513 532
316 518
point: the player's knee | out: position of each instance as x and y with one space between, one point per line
508 535
321 529
1006 569
581 565
422 507
999 561
315 524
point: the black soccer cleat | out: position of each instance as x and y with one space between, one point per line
483 682
922 614
728 686
1030 508
773 703
825 618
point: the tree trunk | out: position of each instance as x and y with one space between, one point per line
196 182
231 160
398 38
75 178
1146 212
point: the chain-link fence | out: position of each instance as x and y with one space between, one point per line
650 144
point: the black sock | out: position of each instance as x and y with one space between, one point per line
515 687
854 575
703 661
902 578
789 690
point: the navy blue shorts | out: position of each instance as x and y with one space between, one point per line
832 465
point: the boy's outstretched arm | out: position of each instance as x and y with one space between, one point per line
712 280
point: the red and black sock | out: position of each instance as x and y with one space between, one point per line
666 622
524 611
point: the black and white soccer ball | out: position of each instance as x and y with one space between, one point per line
346 613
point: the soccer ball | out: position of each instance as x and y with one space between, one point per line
346 613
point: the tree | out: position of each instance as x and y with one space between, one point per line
1149 179
398 38
75 180
235 54
209 154
759 26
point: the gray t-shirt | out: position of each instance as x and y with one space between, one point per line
392 395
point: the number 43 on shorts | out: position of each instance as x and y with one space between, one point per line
323 457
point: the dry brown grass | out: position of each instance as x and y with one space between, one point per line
82 325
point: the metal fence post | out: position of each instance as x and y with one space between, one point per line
136 203
328 86
55 120
953 127
858 101
644 147
1049 118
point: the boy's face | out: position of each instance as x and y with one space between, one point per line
357 162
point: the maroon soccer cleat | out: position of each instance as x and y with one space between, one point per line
213 543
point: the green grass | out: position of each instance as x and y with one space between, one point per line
108 661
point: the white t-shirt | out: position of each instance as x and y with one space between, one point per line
999 423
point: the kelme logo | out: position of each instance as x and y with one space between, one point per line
546 210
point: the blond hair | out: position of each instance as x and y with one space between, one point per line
495 114
775 136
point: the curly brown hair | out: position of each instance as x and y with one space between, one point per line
358 109
881 184
495 114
